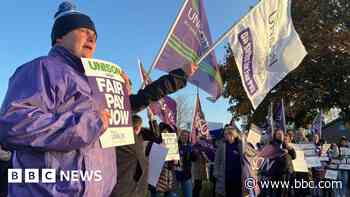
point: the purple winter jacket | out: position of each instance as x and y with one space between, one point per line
49 120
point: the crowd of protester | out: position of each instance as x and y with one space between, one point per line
222 176
55 118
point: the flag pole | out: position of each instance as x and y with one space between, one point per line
168 37
284 117
193 135
139 64
271 120
216 44
222 38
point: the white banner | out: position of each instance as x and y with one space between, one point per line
170 141
331 174
156 162
266 47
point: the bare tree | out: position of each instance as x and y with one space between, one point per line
184 111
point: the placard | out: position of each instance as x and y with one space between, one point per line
335 161
299 163
344 167
110 93
307 146
309 152
324 158
344 151
254 136
156 162
333 166
170 141
313 162
343 161
299 155
331 174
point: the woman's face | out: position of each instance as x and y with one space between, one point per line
230 137
279 135
184 136
287 139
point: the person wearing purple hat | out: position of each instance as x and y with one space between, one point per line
50 120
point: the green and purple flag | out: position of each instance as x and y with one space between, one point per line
188 39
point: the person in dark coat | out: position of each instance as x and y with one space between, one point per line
282 167
183 171
132 166
228 167
167 180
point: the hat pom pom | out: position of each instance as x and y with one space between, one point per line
65 7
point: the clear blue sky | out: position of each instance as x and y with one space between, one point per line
126 30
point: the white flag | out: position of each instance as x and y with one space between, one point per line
266 47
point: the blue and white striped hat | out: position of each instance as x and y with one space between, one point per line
68 18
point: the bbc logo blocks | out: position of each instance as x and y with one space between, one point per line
31 176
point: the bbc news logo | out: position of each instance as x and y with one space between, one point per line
51 176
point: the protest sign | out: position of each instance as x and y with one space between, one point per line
344 167
344 151
313 162
110 93
170 140
331 174
309 152
299 163
254 135
156 162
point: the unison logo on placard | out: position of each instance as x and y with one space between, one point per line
51 175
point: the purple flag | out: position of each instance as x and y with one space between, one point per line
168 111
199 124
188 39
280 119
316 127
165 108
270 151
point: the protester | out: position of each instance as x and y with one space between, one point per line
333 151
199 168
228 167
167 179
318 172
282 167
183 172
290 133
300 137
50 118
153 133
132 166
